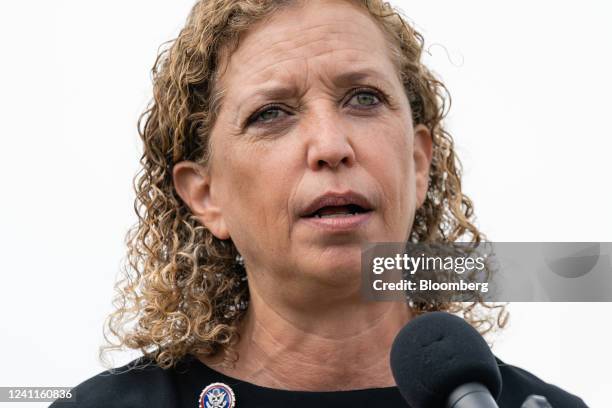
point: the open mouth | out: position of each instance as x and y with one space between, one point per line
337 211
338 205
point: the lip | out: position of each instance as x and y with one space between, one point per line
344 223
336 199
339 224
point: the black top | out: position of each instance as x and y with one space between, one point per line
182 386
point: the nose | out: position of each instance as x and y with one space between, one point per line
329 145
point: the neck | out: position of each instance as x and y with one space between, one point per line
342 346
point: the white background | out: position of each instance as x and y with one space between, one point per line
531 89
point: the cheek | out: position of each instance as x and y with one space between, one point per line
255 187
390 154
388 158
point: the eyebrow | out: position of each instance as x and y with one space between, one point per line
343 80
274 92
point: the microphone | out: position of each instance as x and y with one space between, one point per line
439 360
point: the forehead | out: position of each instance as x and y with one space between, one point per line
313 35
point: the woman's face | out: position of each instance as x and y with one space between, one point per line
314 150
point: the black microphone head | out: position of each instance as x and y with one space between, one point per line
438 352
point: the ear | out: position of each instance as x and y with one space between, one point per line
423 150
192 182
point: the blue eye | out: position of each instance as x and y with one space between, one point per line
365 98
269 114
266 115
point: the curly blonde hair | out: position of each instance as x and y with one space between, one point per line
182 291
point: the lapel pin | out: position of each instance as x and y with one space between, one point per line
217 395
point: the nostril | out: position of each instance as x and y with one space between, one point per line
333 163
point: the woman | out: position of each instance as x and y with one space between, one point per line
283 135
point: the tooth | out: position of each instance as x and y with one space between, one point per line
336 215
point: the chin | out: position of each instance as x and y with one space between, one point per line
338 266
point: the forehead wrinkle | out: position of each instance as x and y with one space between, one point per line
271 70
289 35
334 45
268 67
267 28
342 76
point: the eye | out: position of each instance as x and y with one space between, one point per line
364 98
266 115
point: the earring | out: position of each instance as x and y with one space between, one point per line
239 260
